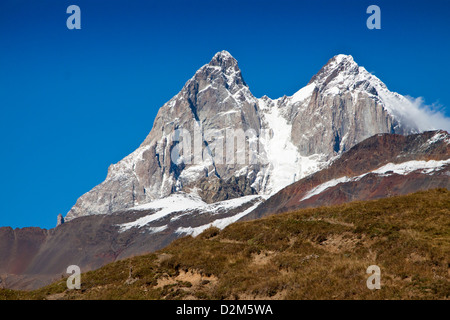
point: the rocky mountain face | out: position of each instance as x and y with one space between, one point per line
191 146
381 166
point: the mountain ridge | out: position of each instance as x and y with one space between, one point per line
339 107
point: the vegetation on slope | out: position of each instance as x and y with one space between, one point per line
319 253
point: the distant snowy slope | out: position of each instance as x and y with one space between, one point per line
178 205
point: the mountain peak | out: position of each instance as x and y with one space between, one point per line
222 70
342 58
223 59
340 63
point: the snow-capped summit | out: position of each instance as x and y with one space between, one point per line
223 59
342 74
294 136
336 66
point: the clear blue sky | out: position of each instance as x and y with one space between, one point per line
75 101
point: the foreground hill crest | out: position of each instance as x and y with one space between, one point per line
320 253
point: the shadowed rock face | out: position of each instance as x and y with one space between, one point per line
214 190
362 182
342 105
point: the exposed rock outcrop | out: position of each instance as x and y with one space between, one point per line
60 220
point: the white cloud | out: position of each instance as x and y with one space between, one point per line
426 117
414 113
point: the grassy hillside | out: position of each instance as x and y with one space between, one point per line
320 253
